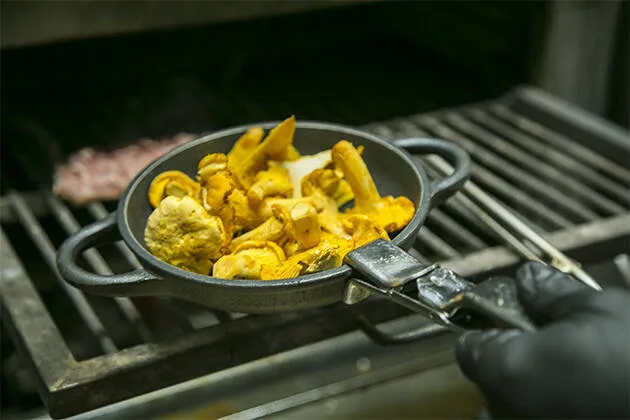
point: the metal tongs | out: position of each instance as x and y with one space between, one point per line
442 295
437 293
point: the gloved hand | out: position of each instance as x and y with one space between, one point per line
576 365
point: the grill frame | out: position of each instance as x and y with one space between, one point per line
69 387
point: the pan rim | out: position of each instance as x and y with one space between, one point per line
169 272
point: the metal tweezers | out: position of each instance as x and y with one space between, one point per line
507 226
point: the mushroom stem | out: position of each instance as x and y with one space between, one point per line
305 223
245 145
356 173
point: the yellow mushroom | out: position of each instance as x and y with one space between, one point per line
249 260
390 213
172 183
305 225
215 191
303 166
221 195
182 233
245 145
266 208
328 254
292 247
314 187
210 165
283 207
329 182
271 230
290 154
274 147
363 230
272 182
245 217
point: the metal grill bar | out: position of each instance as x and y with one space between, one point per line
444 221
455 205
40 238
539 148
547 172
503 190
453 228
520 177
30 319
568 146
437 244
418 256
33 200
98 264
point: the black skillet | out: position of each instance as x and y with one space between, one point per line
378 268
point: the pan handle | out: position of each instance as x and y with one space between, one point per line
100 232
441 189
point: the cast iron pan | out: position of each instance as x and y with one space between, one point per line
392 169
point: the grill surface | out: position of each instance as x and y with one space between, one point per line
565 175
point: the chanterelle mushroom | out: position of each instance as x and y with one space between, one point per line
264 212
390 213
210 165
317 185
305 226
303 166
329 182
181 232
272 182
221 195
363 230
266 208
326 255
175 183
249 260
275 147
273 229
245 145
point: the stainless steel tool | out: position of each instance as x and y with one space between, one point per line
437 293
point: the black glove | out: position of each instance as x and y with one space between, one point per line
576 365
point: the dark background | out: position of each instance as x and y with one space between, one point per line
350 64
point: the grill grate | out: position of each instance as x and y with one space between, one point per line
113 349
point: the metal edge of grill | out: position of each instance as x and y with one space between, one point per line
69 387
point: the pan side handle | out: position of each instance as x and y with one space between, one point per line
100 232
441 189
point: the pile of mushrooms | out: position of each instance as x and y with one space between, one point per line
263 211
